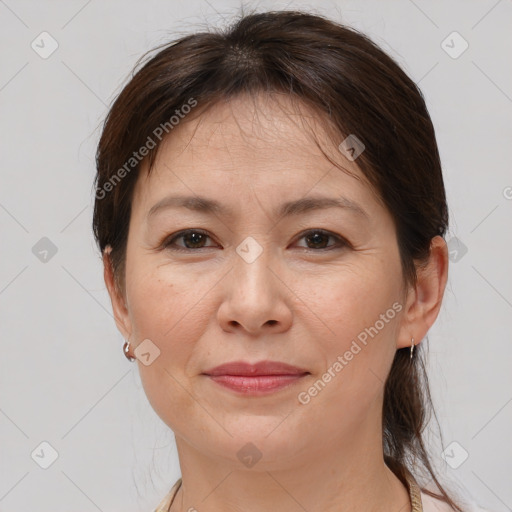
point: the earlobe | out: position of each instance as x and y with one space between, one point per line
424 302
119 308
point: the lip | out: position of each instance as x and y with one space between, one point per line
243 368
260 378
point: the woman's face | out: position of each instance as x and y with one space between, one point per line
254 282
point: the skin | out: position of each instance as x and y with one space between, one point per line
297 302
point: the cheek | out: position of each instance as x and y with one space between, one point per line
350 299
358 323
161 300
356 348
166 309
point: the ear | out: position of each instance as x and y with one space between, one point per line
424 301
119 308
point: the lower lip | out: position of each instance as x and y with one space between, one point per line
257 385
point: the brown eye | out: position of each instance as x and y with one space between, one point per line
192 239
319 239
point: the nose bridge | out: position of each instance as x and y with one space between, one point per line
254 299
252 270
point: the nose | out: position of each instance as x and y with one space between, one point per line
256 299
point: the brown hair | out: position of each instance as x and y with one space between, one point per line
359 90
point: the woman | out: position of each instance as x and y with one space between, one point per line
270 209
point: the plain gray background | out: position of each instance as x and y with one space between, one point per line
63 378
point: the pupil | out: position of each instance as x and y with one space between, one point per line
194 238
316 238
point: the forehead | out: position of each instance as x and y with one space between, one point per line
255 127
270 144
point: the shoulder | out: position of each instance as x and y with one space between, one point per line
431 504
165 504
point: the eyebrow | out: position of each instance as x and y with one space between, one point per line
297 207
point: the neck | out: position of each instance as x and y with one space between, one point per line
327 480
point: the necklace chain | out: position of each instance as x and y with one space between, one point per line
414 493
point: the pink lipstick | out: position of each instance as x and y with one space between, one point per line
256 379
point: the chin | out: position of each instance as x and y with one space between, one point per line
264 445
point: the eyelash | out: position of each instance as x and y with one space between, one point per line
167 243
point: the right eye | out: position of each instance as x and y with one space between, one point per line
192 238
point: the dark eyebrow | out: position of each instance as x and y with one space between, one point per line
319 203
296 207
195 203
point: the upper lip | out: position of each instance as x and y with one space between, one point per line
255 369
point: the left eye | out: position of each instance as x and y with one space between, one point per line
316 239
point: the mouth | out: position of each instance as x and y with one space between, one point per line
256 379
